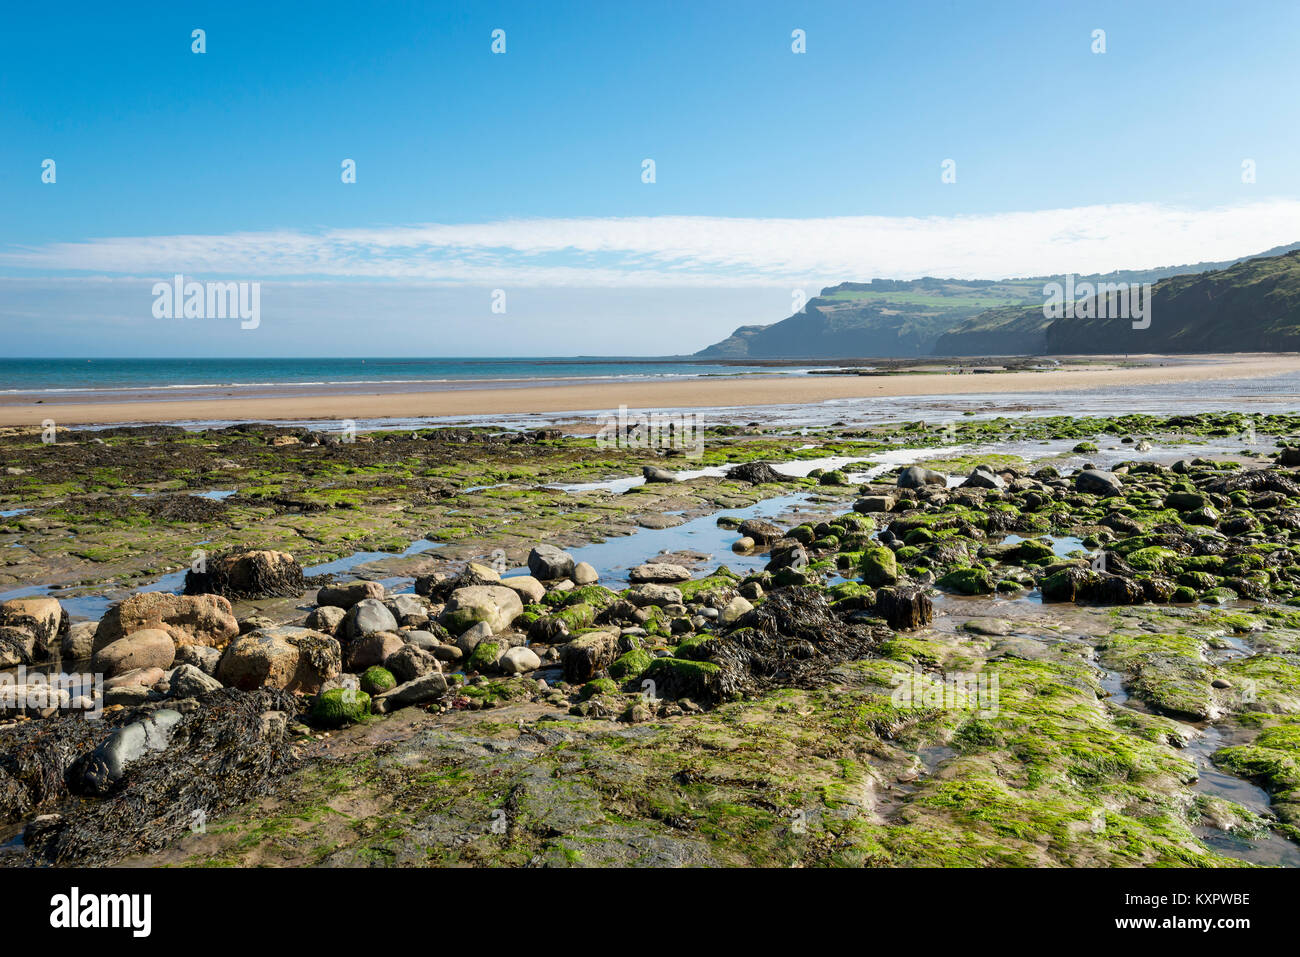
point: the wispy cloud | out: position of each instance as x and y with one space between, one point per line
694 250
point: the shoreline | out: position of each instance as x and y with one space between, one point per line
729 392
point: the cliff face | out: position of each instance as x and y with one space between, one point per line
885 318
1253 306
1196 308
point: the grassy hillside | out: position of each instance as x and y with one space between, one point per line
1253 306
906 318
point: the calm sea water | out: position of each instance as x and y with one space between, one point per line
106 375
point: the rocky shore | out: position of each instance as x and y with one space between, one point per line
1017 650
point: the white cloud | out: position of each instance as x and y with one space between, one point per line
693 251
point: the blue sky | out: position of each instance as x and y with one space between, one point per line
522 171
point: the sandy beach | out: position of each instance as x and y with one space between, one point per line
740 391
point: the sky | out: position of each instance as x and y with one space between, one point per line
927 138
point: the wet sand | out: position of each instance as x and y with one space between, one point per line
600 397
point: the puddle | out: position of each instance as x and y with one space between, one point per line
615 557
345 564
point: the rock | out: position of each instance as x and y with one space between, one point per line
496 605
409 662
295 659
879 566
1289 457
904 608
377 680
422 689
914 476
408 608
529 589
734 609
372 649
787 554
653 594
756 473
366 617
476 573
252 574
988 626
146 648
254 622
587 655
188 619
659 572
339 706
346 595
519 660
200 656
106 765
762 532
187 681
43 618
486 655
653 473
874 503
584 574
425 640
78 643
137 678
1097 482
743 544
470 638
326 619
548 563
983 477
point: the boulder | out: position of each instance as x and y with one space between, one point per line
653 473
422 689
496 605
366 617
585 574
587 655
17 646
372 649
79 642
983 477
188 681
326 619
1098 482
146 648
200 656
188 619
762 532
529 589
106 765
471 637
519 660
659 572
914 476
410 662
346 595
548 563
734 609
756 473
654 594
252 574
43 618
295 659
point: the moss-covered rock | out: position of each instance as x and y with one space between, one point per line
339 706
377 680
